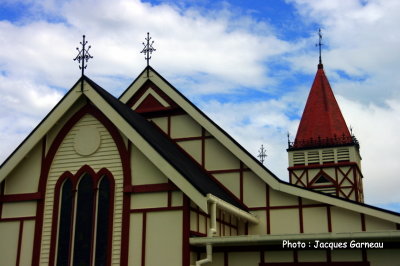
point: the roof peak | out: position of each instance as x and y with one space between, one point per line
322 118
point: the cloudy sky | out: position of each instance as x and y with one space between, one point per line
249 65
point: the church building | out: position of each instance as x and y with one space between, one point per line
147 179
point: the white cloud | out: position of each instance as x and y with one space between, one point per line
377 130
203 52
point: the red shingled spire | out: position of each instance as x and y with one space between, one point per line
322 123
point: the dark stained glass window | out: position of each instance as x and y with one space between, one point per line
85 213
84 222
103 210
64 232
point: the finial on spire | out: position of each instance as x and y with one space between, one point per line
261 154
319 44
83 55
148 48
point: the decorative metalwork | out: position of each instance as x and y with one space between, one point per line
262 154
148 48
324 142
83 55
319 44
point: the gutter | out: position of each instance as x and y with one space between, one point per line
223 205
377 236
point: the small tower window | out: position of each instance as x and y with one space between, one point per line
322 179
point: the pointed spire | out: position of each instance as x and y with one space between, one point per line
322 122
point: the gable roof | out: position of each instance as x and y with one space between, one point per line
242 154
193 173
161 151
322 121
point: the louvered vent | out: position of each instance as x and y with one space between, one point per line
343 154
328 156
313 157
298 158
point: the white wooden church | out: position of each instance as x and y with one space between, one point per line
147 179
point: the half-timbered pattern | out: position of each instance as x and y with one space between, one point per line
148 179
325 156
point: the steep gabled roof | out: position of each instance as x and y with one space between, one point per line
169 150
242 154
322 121
164 154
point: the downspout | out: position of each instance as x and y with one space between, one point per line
214 201
211 232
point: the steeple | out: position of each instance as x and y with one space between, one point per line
325 156
322 122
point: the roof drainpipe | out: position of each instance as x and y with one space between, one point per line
211 232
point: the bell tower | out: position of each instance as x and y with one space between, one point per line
325 156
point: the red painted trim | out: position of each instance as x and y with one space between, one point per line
151 188
186 232
88 109
13 219
329 218
169 200
301 215
21 231
328 255
226 171
164 113
241 182
126 206
142 90
203 148
174 208
194 233
267 212
169 126
21 197
313 166
53 240
262 256
125 228
144 225
295 256
198 219
363 222
220 220
287 207
1 194
364 255
96 177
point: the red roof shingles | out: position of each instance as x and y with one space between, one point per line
322 122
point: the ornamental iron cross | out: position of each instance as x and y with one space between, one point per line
320 45
83 55
261 154
148 48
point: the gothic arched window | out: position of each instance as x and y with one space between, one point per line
84 216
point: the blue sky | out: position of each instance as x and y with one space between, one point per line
247 64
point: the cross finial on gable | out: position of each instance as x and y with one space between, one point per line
83 55
148 48
319 44
261 154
